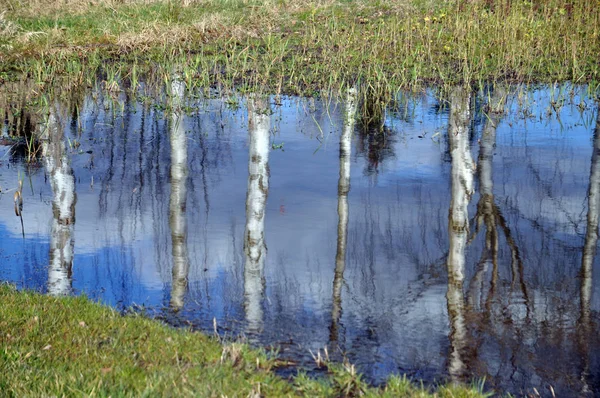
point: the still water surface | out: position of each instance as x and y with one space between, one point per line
457 242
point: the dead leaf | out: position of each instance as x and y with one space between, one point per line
47 347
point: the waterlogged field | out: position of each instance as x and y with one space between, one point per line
445 239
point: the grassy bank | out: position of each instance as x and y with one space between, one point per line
73 347
303 46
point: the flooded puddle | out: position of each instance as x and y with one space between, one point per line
453 240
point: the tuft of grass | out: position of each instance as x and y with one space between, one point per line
70 346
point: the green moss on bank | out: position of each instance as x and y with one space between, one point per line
73 347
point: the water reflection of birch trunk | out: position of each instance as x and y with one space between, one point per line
490 216
62 182
589 252
177 199
458 223
486 210
255 249
342 229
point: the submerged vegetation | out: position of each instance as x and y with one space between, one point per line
301 47
71 347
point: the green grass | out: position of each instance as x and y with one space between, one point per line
307 46
73 347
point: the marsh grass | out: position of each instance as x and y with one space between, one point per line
71 346
117 88
306 47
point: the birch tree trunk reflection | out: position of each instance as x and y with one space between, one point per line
177 199
490 216
255 249
458 223
587 261
486 208
62 182
342 229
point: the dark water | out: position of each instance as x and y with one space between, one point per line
456 242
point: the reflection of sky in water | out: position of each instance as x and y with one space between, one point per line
394 311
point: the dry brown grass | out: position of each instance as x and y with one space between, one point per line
46 7
51 7
8 28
